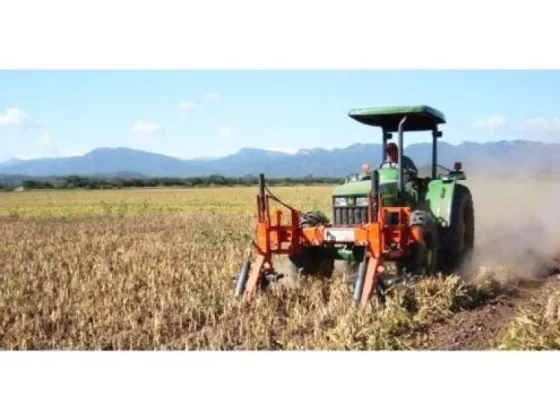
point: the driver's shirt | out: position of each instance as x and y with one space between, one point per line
408 164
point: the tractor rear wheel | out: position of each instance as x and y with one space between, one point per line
458 238
429 260
423 259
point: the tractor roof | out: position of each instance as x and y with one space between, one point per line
420 117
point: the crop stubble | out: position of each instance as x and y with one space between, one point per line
152 269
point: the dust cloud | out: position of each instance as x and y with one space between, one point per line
517 225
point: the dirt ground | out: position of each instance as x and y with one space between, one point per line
478 328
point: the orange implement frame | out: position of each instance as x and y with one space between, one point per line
280 233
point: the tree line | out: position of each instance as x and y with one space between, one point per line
95 183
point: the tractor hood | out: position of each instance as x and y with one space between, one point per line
353 188
388 185
360 188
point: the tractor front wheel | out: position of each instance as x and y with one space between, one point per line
311 262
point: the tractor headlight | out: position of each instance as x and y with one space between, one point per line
341 202
362 201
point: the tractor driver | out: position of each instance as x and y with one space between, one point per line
409 168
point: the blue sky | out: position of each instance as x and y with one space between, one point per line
213 113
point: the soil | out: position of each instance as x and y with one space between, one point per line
478 328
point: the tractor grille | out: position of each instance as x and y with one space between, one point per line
350 215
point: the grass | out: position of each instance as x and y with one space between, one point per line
537 326
152 269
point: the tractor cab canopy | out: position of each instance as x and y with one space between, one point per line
389 119
419 118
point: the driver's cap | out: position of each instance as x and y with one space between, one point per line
391 147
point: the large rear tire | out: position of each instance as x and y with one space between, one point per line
458 238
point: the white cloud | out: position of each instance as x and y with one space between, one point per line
213 96
288 150
273 138
15 117
47 146
492 122
187 106
538 128
12 117
225 132
142 127
45 140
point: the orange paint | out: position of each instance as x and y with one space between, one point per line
281 234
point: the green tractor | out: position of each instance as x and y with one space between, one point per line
422 225
442 205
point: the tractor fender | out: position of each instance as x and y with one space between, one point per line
439 200
415 262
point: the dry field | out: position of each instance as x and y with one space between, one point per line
152 269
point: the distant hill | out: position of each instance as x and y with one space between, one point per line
476 157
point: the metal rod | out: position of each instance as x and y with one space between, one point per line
401 179
359 282
262 196
434 152
384 156
242 278
374 196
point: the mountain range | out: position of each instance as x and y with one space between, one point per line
476 157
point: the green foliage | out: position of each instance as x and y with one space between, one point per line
97 183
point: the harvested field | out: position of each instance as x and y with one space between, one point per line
152 269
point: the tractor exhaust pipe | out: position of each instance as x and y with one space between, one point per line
401 172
